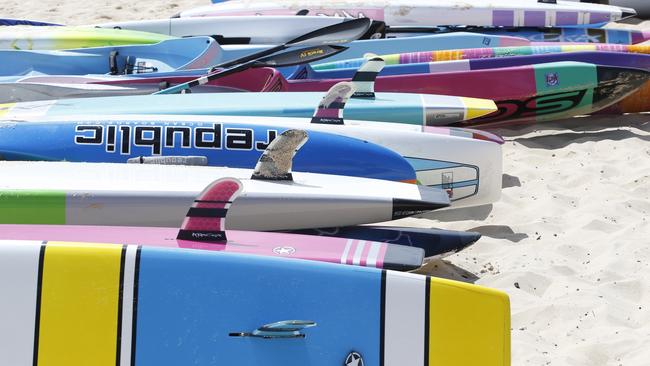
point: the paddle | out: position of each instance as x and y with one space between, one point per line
331 35
289 58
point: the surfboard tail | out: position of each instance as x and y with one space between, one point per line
205 220
448 322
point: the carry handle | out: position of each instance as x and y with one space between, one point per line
283 329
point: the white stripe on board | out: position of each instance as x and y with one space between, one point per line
356 260
18 288
373 254
519 18
405 316
127 305
346 251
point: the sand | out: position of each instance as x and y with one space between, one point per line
569 241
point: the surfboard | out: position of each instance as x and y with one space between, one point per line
167 55
27 37
231 30
205 228
523 94
407 108
425 13
214 144
118 304
604 58
479 53
159 195
465 163
295 246
544 34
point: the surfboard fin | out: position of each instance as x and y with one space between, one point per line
330 108
206 218
281 329
276 161
170 160
364 78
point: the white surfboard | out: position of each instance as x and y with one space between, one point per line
159 195
548 13
232 30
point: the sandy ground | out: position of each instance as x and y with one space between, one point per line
569 241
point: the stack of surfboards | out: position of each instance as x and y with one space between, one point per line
233 220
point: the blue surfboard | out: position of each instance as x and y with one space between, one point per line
221 144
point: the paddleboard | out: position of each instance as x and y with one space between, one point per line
294 246
204 227
117 304
478 53
27 37
214 144
34 88
425 13
523 94
546 34
159 195
465 163
167 55
603 58
417 109
232 30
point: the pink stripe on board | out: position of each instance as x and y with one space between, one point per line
328 113
353 248
473 53
381 256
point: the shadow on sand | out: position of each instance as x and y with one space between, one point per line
445 269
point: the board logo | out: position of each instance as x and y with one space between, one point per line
552 79
353 359
284 250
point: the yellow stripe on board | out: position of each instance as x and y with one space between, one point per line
477 107
79 304
468 325
5 108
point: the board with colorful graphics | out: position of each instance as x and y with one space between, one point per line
218 144
26 37
128 305
426 13
478 53
406 108
553 34
523 94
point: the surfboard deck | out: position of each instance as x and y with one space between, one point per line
117 304
365 253
523 94
158 195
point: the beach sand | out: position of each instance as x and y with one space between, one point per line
569 241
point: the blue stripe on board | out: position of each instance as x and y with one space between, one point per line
425 164
189 301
